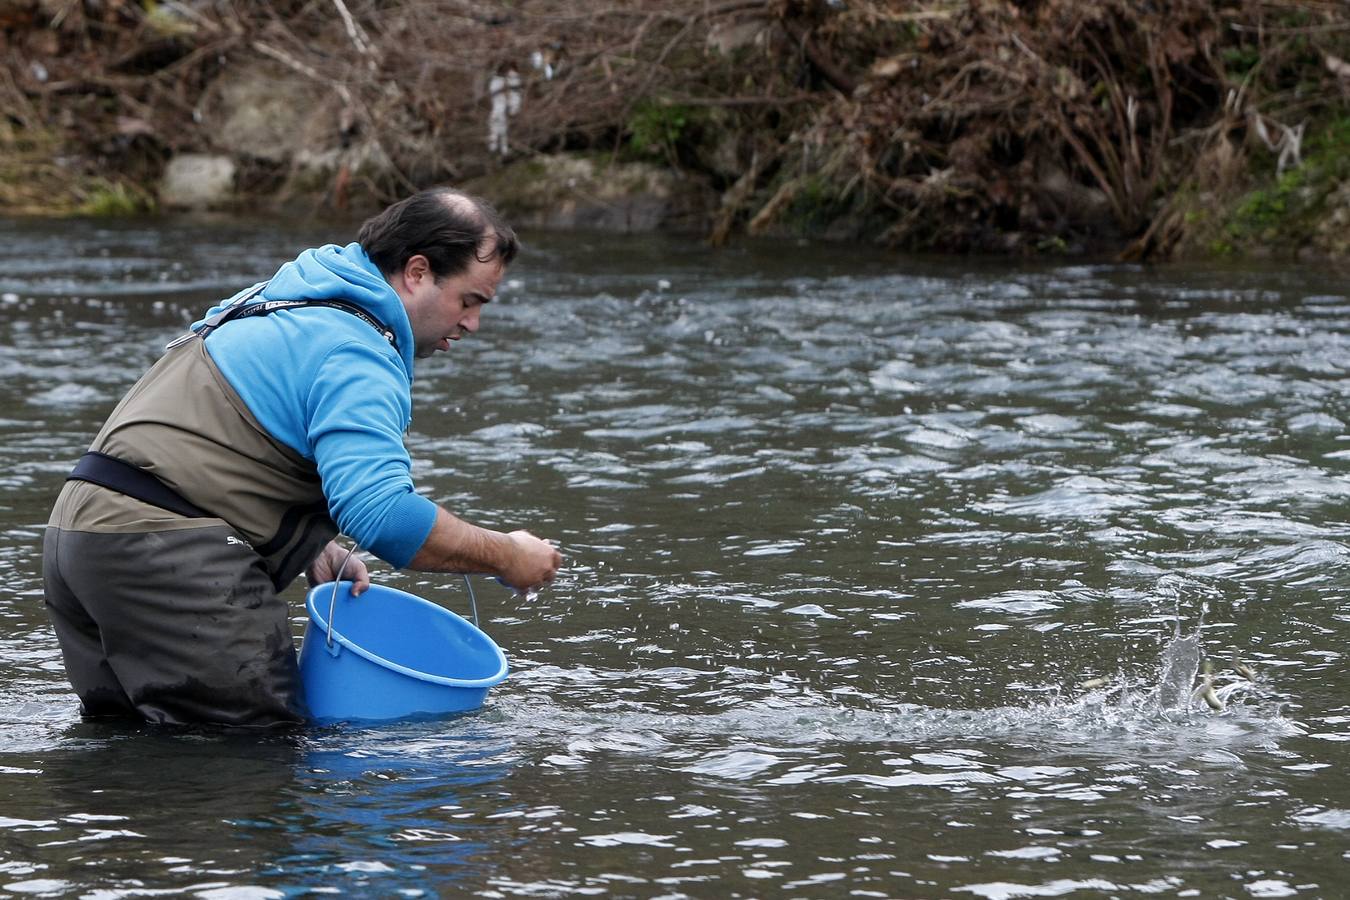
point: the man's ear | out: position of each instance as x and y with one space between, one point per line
415 269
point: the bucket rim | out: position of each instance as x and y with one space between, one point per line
345 587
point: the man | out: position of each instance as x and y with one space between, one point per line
230 466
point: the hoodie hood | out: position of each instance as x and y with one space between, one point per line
346 273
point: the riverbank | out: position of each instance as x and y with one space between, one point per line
1050 127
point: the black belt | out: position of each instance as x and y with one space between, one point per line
115 474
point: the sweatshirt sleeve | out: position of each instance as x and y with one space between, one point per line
357 409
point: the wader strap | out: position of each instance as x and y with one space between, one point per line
115 474
243 309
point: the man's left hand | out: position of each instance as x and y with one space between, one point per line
325 568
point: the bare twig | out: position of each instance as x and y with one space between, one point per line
357 34
308 71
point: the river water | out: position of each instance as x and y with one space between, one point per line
846 534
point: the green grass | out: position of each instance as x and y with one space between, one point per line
113 200
1286 210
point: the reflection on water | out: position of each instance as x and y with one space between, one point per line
885 577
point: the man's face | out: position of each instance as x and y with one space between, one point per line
443 312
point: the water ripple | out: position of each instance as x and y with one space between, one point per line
879 574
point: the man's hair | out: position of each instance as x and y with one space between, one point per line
449 227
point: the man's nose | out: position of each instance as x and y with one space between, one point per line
470 321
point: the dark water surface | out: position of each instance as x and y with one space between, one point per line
845 535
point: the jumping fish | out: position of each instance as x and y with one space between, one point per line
1206 689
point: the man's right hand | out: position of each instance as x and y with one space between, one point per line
533 562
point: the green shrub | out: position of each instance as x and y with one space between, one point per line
655 128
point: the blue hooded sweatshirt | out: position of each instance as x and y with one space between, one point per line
330 387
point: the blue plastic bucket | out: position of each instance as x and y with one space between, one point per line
391 655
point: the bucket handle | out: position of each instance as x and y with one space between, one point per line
473 602
332 602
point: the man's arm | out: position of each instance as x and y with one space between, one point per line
519 559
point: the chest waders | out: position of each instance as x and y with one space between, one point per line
168 545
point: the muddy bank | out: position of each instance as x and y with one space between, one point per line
1041 126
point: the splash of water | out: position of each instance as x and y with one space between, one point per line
1180 664
1122 714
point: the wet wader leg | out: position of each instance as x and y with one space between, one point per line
190 623
87 667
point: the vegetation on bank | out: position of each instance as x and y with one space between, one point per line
1305 210
1147 128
